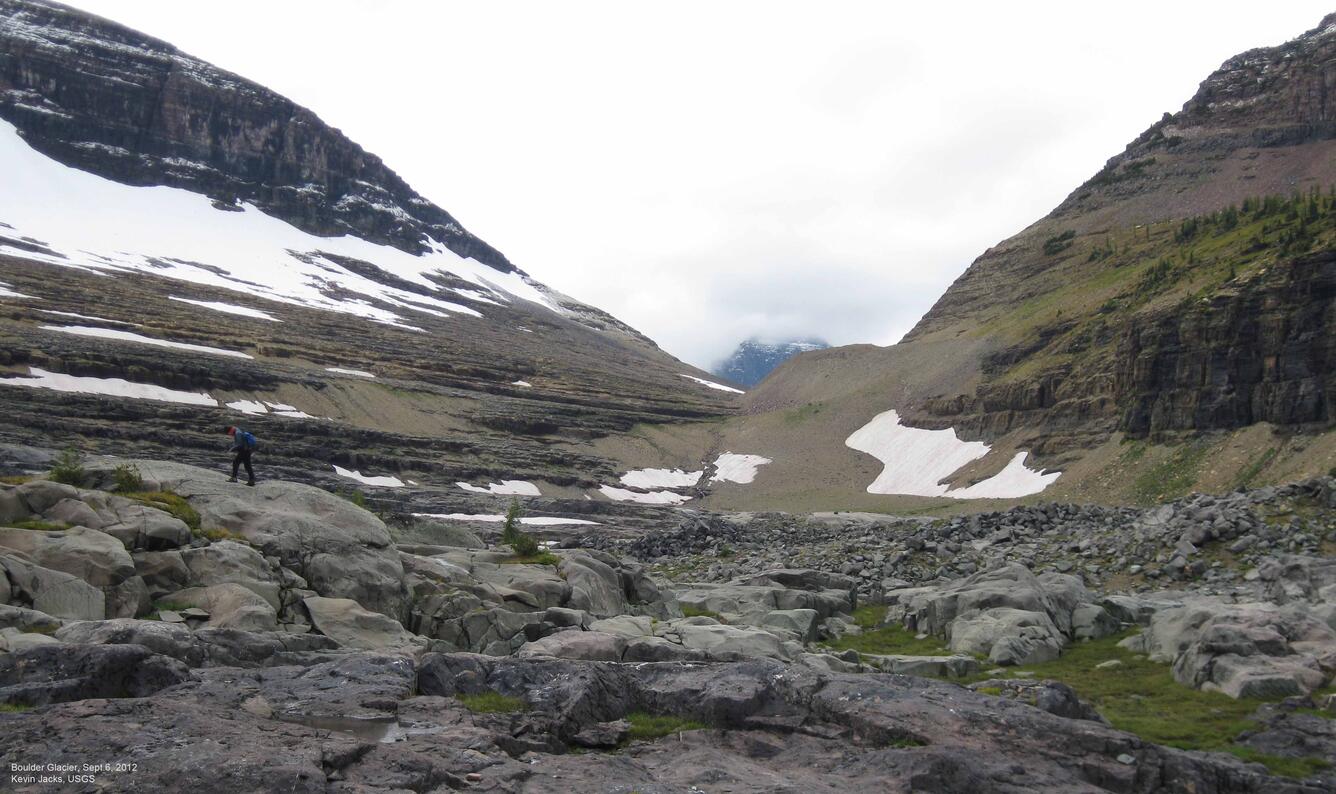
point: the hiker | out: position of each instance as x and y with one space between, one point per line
243 444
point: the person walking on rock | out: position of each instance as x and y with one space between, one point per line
243 444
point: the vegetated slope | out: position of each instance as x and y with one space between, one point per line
753 359
1184 294
151 200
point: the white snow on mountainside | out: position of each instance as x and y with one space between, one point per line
916 461
77 219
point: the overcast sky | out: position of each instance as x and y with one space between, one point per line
710 171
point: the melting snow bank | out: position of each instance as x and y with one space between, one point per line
228 308
1014 480
257 408
173 233
127 336
536 521
504 488
729 467
112 387
652 498
383 482
712 384
661 478
6 292
357 372
85 317
917 460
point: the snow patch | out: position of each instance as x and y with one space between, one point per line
228 308
730 467
712 384
504 488
6 292
652 498
522 383
533 521
357 372
1015 479
173 233
78 316
917 460
128 336
383 482
112 387
253 407
661 478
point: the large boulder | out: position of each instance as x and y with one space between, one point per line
727 643
93 556
596 587
230 605
590 646
340 549
347 623
56 593
1006 636
1258 651
57 672
236 563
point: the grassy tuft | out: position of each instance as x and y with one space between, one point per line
127 479
1172 477
690 611
13 708
492 703
889 639
169 502
216 534
17 479
647 727
40 526
69 468
540 558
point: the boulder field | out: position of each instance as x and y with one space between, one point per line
277 638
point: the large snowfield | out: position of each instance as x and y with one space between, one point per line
106 226
917 460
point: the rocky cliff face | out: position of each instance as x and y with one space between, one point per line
1204 345
103 98
754 359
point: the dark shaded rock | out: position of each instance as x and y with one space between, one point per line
57 673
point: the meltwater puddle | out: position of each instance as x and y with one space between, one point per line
384 730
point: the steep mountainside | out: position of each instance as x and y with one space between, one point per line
1180 302
181 249
753 359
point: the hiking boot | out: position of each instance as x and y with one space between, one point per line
231 479
251 483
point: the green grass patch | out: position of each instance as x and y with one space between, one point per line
801 414
492 703
1250 472
40 526
1141 697
647 727
690 611
1172 477
889 639
168 502
216 534
13 708
17 479
541 558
